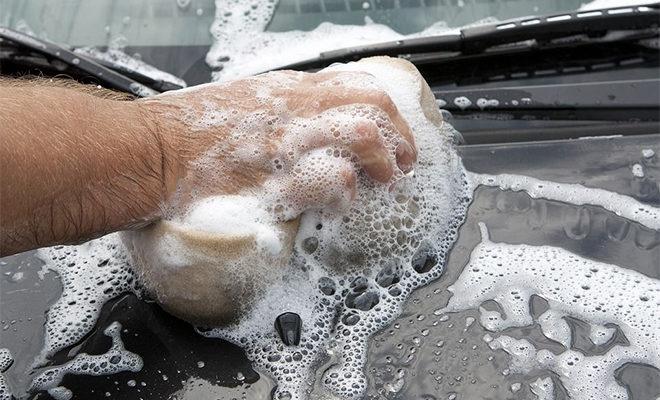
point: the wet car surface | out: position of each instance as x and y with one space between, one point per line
421 355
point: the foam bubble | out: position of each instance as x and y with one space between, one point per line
5 362
242 47
573 193
648 153
60 393
462 102
5 359
483 103
600 294
116 359
598 4
351 271
637 171
600 334
91 274
183 4
352 266
543 388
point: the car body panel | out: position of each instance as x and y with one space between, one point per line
178 363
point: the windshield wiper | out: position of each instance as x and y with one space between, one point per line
474 40
25 47
130 67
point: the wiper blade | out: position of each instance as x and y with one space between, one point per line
52 51
477 39
130 67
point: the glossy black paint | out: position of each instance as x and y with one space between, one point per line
172 349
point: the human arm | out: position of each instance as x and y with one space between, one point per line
75 166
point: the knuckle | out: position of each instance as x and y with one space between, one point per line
384 101
367 129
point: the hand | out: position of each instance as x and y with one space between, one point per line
298 137
78 165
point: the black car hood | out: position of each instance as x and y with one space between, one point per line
178 363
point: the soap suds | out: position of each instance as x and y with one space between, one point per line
116 359
353 264
483 103
242 47
648 153
637 171
91 274
572 193
462 102
60 393
5 362
596 293
183 4
351 271
236 216
598 4
543 388
600 334
361 264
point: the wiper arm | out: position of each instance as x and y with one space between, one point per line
51 51
474 40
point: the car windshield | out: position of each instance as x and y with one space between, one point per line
250 37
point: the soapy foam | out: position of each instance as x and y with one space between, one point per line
116 359
354 265
598 4
242 47
597 293
322 176
91 274
60 393
462 102
483 103
235 215
5 362
572 193
360 265
648 153
543 388
352 268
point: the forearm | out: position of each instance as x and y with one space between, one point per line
74 166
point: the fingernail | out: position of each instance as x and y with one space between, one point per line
405 157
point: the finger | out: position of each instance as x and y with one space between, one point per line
406 154
331 89
383 101
372 154
405 157
361 137
332 97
